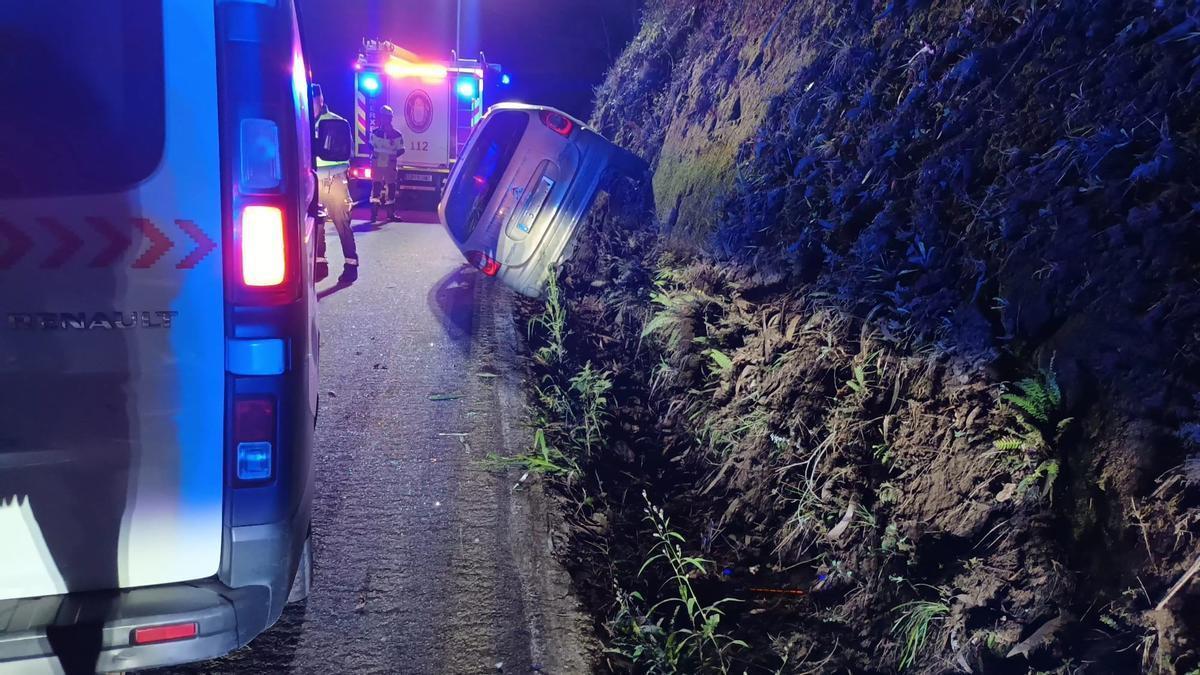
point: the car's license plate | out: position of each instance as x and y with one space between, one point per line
534 206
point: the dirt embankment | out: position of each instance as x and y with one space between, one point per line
910 355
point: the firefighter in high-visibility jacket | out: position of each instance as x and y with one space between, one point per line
387 144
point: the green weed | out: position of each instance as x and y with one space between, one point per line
861 376
661 376
882 453
887 493
590 389
686 638
913 627
553 321
722 435
642 639
553 405
992 643
858 383
866 516
577 415
893 541
541 459
721 363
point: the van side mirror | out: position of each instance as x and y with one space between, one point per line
335 141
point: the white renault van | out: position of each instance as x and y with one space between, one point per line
158 338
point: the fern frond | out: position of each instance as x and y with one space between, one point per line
1030 405
657 323
1047 471
1010 444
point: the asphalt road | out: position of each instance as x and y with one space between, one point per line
425 563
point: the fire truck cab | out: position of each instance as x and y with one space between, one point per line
435 106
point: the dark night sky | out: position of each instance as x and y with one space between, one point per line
557 52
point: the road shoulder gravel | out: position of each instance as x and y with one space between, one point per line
562 639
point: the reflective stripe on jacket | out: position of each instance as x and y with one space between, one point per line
387 145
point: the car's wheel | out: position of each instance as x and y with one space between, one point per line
303 581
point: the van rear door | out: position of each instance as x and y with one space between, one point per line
112 313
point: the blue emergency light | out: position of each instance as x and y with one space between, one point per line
466 88
369 83
505 79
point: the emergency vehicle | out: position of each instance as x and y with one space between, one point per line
158 335
435 106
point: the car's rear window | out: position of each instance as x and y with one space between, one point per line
482 170
82 89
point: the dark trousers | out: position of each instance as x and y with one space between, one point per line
384 195
334 195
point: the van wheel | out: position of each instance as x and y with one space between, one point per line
303 581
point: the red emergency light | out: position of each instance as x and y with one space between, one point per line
425 71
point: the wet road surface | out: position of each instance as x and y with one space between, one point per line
424 562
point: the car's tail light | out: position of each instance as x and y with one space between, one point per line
254 437
484 262
558 123
168 633
264 251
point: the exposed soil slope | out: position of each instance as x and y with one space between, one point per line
918 322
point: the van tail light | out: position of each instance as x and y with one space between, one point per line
558 123
484 262
262 90
254 437
264 252
363 173
169 633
